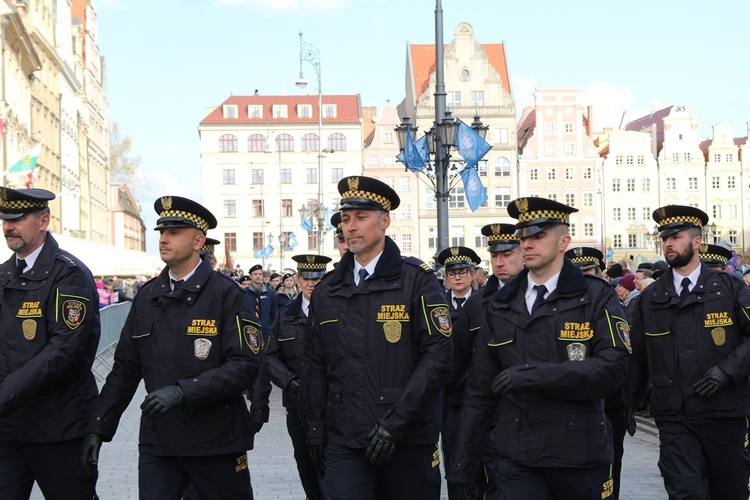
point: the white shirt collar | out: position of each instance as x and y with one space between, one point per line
185 278
677 279
453 298
31 258
530 296
305 305
370 267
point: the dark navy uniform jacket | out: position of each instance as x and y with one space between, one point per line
563 360
165 342
268 307
49 334
284 355
675 342
380 352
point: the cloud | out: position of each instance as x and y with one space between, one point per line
610 102
291 5
523 91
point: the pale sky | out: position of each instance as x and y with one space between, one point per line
168 60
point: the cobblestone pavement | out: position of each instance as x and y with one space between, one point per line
274 475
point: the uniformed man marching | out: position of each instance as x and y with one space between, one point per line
552 350
587 259
49 325
379 351
284 358
714 256
691 346
191 339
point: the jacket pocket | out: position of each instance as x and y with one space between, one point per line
663 398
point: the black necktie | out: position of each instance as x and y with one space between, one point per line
177 283
363 274
685 291
20 266
540 291
459 302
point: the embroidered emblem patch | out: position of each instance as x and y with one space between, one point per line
719 335
73 313
441 320
623 331
392 331
576 351
201 348
252 338
29 329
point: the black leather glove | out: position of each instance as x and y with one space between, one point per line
382 444
502 384
630 420
161 401
90 447
318 455
713 380
293 388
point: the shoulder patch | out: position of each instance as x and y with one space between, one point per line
416 262
67 259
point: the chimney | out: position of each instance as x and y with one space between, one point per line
590 121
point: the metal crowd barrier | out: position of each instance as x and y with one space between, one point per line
112 320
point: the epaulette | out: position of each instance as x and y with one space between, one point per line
67 259
416 262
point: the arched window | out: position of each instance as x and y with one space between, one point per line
256 143
337 142
228 143
502 166
310 142
285 142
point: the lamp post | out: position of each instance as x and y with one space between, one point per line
320 224
709 233
655 240
310 53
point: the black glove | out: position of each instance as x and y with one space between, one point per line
382 444
161 401
630 420
502 384
293 388
90 447
318 455
713 380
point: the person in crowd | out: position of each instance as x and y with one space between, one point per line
627 293
105 296
274 281
641 273
555 346
288 291
378 353
714 256
340 240
284 358
614 272
49 323
691 343
480 277
191 340
263 300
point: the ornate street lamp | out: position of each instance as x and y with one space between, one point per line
709 233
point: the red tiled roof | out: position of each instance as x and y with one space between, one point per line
423 64
348 109
526 126
653 118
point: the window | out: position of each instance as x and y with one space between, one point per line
285 176
715 182
258 208
337 142
388 137
374 160
286 208
618 159
631 213
454 98
687 157
390 181
629 160
230 111
588 173
716 211
570 174
572 229
230 241
534 174
588 200
457 199
675 156
503 136
632 243
228 176
671 183
617 214
258 243
717 157
304 110
732 211
729 157
692 183
406 242
588 229
310 142
733 236
311 175
230 208
312 241
568 128
551 174
502 196
388 160
256 143
731 182
646 185
631 185
257 176
569 148
329 111
502 167
285 240
477 97
615 185
406 211
255 111
641 160
646 213
429 197
337 173
549 128
551 196
570 199
457 236
285 143
432 237
228 143
405 183
617 241
279 111
549 148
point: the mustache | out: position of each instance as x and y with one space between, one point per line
11 234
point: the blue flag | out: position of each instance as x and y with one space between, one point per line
292 243
266 253
475 192
306 224
412 157
258 253
329 214
470 145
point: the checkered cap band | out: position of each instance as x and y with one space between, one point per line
379 199
543 214
682 219
714 256
311 266
458 258
19 205
208 248
198 221
502 238
586 260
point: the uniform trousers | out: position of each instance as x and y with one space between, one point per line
619 425
704 459
412 473
56 467
554 483
219 477
308 474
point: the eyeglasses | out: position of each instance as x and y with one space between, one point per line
458 272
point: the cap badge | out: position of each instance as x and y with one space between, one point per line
661 213
495 228
522 204
353 183
310 259
166 202
578 251
704 248
4 194
454 251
